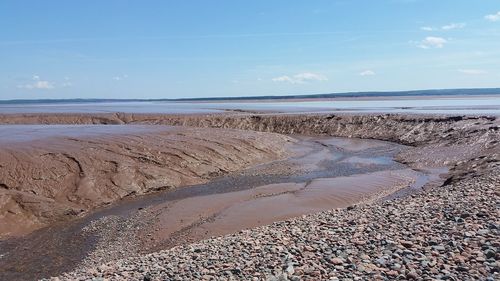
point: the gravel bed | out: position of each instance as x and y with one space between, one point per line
449 233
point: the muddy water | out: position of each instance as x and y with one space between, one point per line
213 215
325 173
27 133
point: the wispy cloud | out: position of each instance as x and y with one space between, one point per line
67 83
446 27
120 77
200 36
493 17
37 83
367 73
453 26
432 42
473 71
301 78
406 1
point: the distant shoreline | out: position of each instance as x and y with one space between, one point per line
487 92
359 98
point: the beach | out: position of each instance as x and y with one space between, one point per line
249 140
128 187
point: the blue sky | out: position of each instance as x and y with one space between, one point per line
171 49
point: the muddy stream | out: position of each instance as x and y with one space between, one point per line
324 173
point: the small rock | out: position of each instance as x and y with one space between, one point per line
407 244
337 261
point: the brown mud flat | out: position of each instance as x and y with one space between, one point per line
414 227
459 142
321 177
54 173
324 173
468 145
415 130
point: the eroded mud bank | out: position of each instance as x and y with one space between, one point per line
322 173
461 142
49 174
469 146
464 144
406 129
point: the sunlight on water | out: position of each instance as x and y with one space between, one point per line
453 105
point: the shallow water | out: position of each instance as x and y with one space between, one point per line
325 173
27 133
231 212
468 105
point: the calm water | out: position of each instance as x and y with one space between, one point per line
26 133
471 105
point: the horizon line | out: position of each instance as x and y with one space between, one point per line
444 91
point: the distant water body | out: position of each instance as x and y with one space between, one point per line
463 105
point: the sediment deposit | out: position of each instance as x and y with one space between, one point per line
49 177
453 141
450 231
